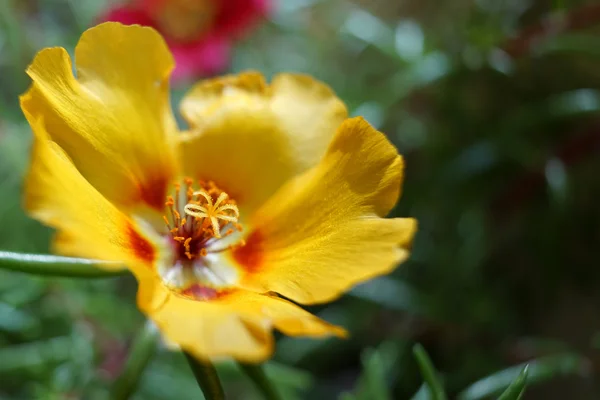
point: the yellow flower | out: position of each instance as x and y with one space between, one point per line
272 193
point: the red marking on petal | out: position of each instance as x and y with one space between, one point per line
154 192
251 255
204 293
141 247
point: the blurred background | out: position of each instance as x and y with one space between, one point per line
495 105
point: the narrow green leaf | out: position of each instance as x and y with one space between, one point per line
144 346
423 393
49 265
380 365
374 380
540 370
258 376
517 388
429 373
207 378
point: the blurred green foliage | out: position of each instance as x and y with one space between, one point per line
495 105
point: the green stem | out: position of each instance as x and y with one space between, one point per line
256 373
207 378
48 265
144 346
429 373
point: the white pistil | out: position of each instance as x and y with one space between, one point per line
213 211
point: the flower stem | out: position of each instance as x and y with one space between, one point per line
256 373
436 390
142 351
207 378
49 265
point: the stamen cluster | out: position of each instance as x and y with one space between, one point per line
208 215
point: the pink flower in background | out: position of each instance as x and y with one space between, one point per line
200 33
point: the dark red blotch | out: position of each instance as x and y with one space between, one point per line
140 246
251 255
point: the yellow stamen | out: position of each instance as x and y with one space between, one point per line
207 214
213 211
186 245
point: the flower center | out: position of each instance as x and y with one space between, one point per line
200 222
185 20
208 215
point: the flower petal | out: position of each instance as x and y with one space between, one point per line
114 119
127 14
322 232
250 138
238 16
233 17
203 57
236 323
88 224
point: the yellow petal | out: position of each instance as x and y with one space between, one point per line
88 225
322 233
250 137
234 324
114 119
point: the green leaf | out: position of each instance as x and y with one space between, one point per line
517 388
429 373
257 374
378 366
540 370
374 376
423 393
49 265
